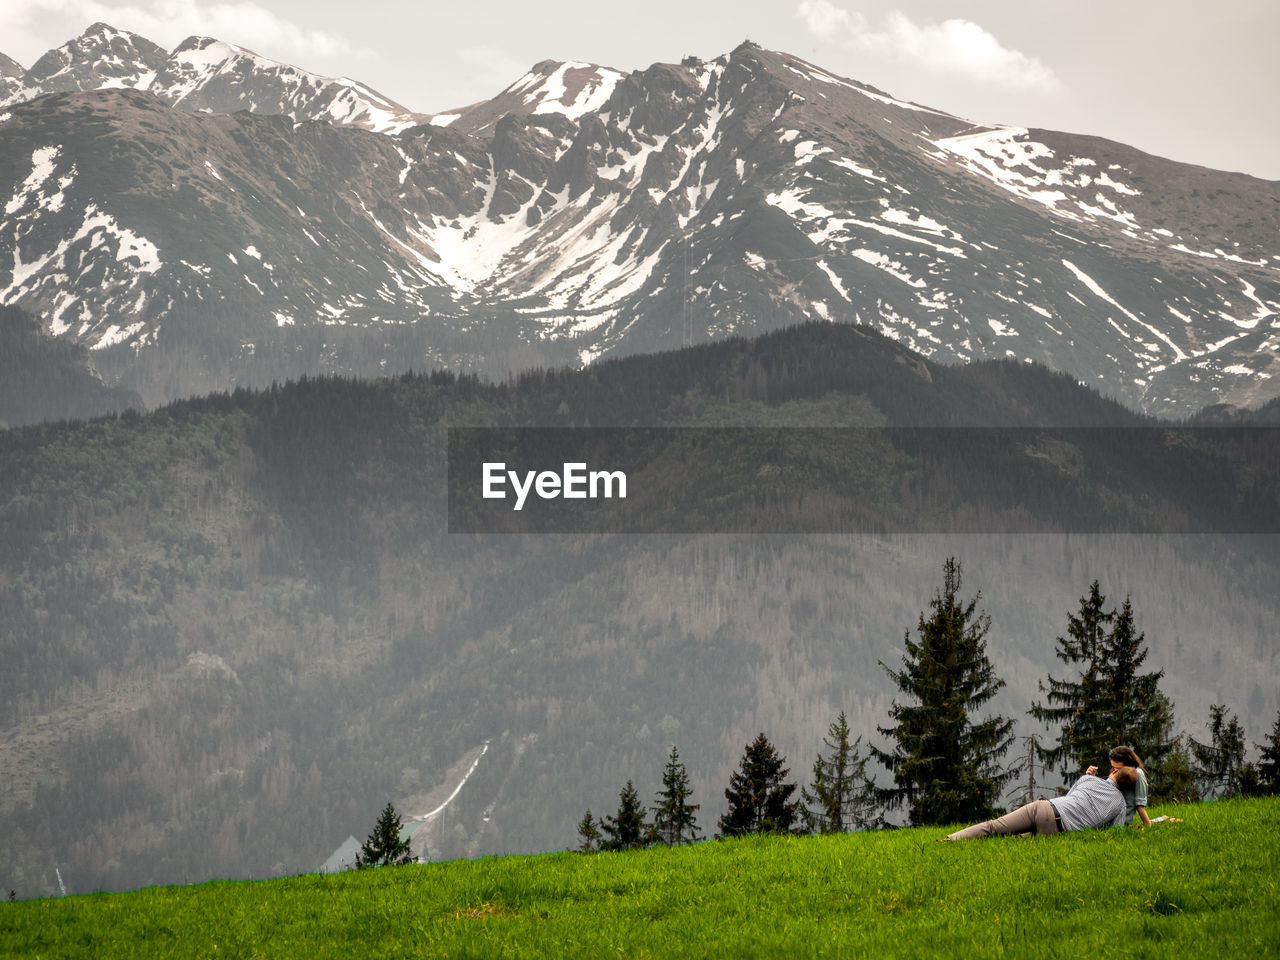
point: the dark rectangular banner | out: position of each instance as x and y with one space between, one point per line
864 480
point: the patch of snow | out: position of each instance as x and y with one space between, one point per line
427 817
1240 370
807 150
861 171
43 160
892 267
1264 309
920 222
835 281
116 334
1096 290
594 93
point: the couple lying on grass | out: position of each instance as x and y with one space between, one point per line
1091 802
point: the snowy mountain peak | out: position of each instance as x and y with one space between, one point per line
205 74
101 57
569 87
194 63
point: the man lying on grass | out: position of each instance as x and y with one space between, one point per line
1091 802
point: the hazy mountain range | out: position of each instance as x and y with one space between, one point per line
583 212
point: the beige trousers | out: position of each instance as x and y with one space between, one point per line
1034 817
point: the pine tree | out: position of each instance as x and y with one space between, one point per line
843 797
758 794
384 846
589 832
1217 764
626 830
1082 739
1130 709
674 820
1269 762
946 769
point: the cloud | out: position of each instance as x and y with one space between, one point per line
824 18
957 47
494 67
168 23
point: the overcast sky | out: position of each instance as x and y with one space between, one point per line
1192 81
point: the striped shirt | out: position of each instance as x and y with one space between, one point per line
1091 802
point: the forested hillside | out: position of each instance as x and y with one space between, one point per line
46 379
233 628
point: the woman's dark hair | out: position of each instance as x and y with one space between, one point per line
1126 756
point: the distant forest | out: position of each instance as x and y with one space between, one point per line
234 627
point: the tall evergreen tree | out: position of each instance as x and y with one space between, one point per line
1130 709
384 846
842 796
946 768
1217 764
1070 704
675 818
1111 701
758 794
627 829
1269 762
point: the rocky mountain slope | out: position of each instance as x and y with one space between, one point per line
201 75
584 213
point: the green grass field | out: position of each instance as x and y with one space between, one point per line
1209 886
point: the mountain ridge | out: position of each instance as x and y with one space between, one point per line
202 73
583 212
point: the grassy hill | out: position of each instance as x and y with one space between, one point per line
1209 885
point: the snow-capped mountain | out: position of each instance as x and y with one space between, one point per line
100 58
202 74
583 212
